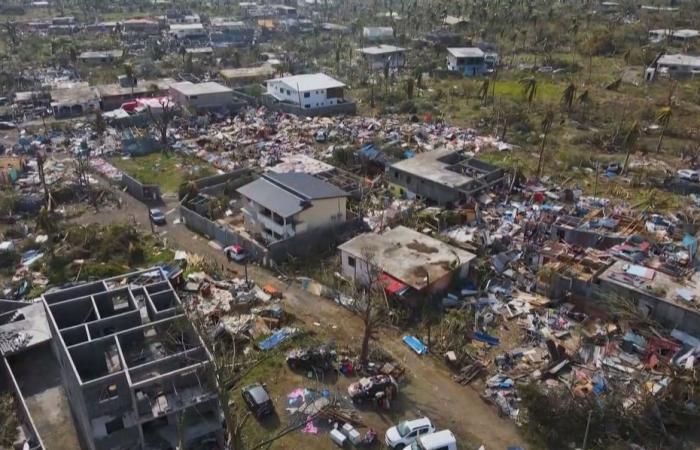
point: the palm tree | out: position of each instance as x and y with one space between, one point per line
663 117
529 86
568 96
484 90
629 143
130 73
546 124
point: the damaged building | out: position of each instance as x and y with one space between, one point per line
444 177
132 368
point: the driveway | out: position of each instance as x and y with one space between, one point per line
431 389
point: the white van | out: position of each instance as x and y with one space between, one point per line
442 440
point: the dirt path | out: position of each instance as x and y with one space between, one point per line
431 390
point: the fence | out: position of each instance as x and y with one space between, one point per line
221 234
140 191
215 184
314 241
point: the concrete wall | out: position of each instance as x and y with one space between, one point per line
140 191
426 189
323 212
315 241
219 233
34 440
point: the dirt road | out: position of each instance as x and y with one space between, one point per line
431 390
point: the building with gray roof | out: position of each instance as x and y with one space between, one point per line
279 206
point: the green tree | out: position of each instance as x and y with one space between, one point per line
130 73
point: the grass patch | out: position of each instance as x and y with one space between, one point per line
167 171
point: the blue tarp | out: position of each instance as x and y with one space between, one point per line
691 244
409 154
416 345
483 337
276 338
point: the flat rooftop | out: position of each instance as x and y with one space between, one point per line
466 52
446 167
654 283
679 60
143 86
309 82
381 50
263 71
407 255
187 88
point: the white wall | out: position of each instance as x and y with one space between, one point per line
359 273
288 93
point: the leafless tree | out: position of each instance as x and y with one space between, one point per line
162 121
370 301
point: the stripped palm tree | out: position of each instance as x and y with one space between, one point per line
546 124
663 117
568 96
629 143
529 86
484 90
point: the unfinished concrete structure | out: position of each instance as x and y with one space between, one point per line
444 177
137 374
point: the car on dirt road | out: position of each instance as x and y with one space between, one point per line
367 388
442 440
317 359
258 400
403 434
689 175
157 216
235 253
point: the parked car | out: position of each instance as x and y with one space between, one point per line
688 175
403 434
442 440
258 400
317 359
368 387
7 126
235 253
156 216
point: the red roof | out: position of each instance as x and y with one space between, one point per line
392 285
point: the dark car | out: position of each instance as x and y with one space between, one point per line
367 388
156 216
317 359
258 400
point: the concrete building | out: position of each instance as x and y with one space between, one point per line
380 56
443 177
247 75
673 303
378 34
228 33
141 26
208 95
74 101
101 57
681 35
113 96
407 261
281 205
136 373
187 31
310 94
674 66
470 61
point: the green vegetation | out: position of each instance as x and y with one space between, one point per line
8 420
168 171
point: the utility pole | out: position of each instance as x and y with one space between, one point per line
595 187
588 426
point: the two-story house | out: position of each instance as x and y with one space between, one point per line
380 56
470 61
308 94
279 206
